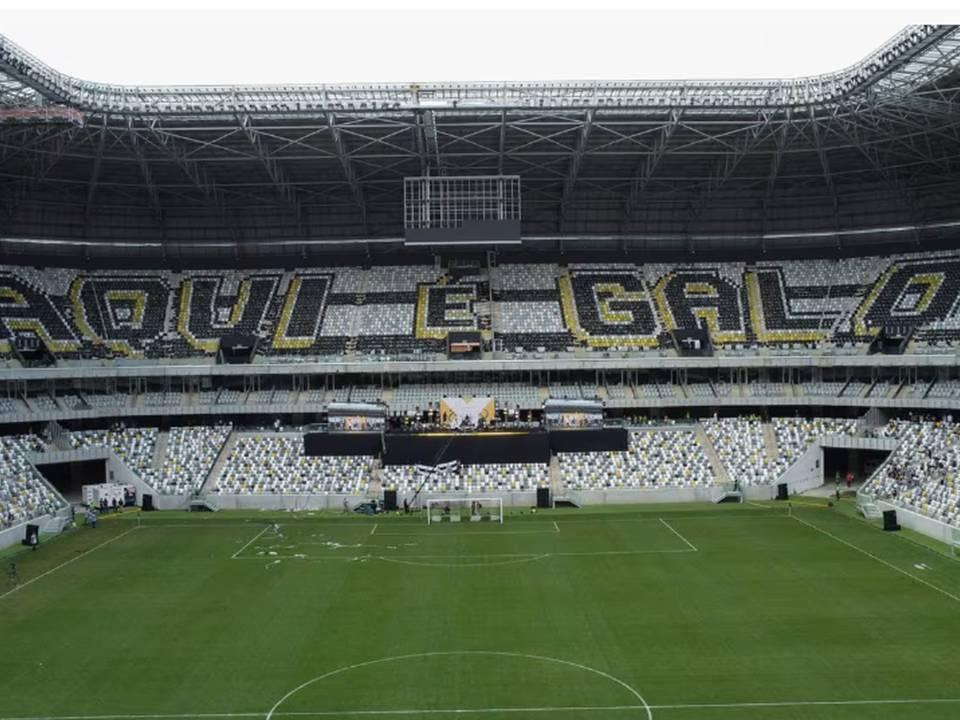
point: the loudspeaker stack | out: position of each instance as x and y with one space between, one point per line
890 523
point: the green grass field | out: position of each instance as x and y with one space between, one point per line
674 613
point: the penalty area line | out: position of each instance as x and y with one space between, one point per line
669 527
250 542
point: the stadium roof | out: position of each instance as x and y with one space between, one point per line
695 164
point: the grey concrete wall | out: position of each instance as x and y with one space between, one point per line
920 523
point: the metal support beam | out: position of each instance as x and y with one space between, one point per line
647 166
197 176
570 183
152 193
824 161
287 192
349 172
727 164
95 170
501 145
428 143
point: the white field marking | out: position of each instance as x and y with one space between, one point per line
601 553
805 703
160 524
488 653
879 560
64 564
475 532
249 542
327 713
670 528
466 711
490 563
374 528
510 557
906 538
730 516
462 711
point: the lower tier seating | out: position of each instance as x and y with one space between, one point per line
24 495
654 459
922 473
276 464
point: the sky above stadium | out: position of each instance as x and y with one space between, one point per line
206 43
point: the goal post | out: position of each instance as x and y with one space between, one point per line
955 541
469 509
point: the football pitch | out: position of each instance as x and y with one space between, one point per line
667 612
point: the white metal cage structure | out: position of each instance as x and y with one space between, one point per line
450 202
468 509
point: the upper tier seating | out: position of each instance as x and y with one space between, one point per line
23 493
381 312
945 389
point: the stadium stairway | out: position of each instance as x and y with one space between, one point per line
770 442
210 482
375 486
160 449
719 471
556 479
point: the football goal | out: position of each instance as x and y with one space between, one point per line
464 510
955 542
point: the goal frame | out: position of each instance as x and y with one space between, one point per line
461 502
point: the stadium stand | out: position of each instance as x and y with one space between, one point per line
668 458
922 473
24 495
386 311
492 477
276 464
189 457
748 457
134 446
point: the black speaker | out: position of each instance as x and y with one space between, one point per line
890 521
543 497
783 493
389 500
31 536
147 502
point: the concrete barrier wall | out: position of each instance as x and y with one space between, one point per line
14 535
920 523
806 473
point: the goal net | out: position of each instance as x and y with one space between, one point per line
955 541
471 509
